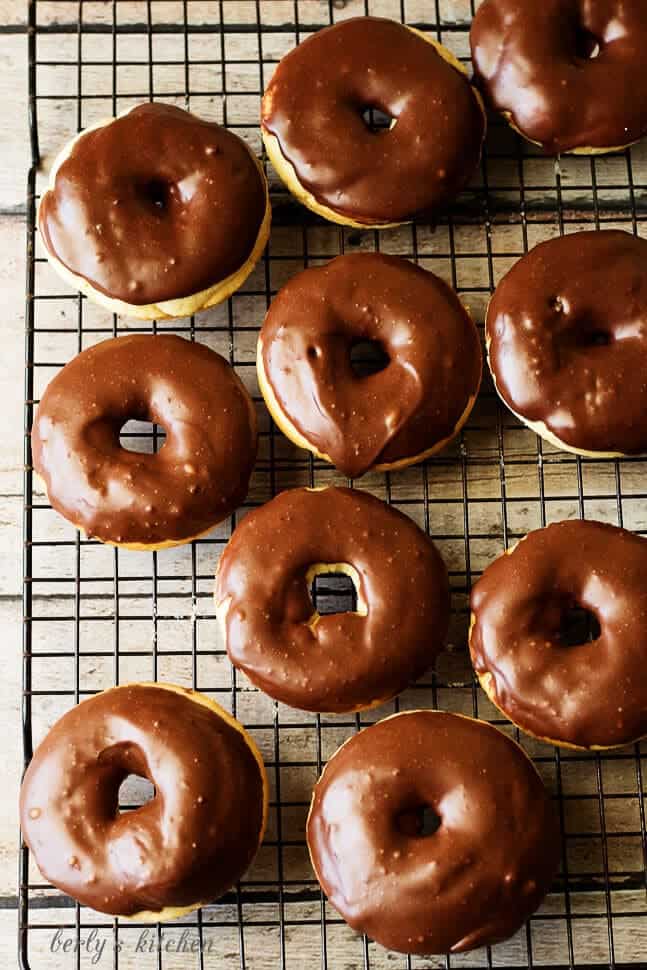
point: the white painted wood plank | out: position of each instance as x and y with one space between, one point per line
10 701
12 288
13 114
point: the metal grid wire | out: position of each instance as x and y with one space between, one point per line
95 616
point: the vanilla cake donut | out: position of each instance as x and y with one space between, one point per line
155 213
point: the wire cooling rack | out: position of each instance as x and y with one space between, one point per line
95 616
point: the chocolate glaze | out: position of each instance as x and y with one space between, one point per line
197 478
592 694
344 661
314 104
404 410
568 340
533 61
187 845
474 880
154 206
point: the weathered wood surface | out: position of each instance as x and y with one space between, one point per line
503 500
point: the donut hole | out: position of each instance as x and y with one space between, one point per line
333 593
368 357
376 120
558 304
418 822
134 792
580 332
156 192
142 437
587 45
577 626
596 338
584 336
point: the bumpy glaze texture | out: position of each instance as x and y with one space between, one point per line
406 409
154 206
534 61
187 845
314 103
567 333
343 661
474 880
197 478
593 694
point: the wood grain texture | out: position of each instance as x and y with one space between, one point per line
13 91
174 633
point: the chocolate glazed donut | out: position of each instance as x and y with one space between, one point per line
401 415
593 694
568 74
344 661
183 848
471 880
566 332
316 137
155 213
145 501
